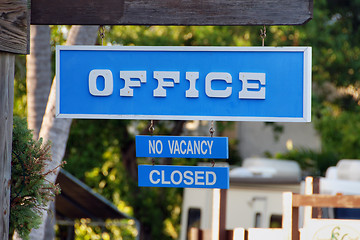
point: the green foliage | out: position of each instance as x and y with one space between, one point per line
20 86
98 137
340 131
182 35
29 190
334 36
312 162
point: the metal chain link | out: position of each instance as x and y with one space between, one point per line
263 35
151 127
151 131
212 131
102 34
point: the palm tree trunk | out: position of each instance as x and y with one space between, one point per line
57 130
38 76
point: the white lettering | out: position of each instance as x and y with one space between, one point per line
189 178
151 176
127 76
202 148
173 179
253 84
192 92
189 148
197 147
181 148
176 148
207 178
198 177
171 146
252 90
155 146
151 146
108 82
163 178
159 143
160 76
217 76
210 146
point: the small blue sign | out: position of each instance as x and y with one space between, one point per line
182 147
183 176
184 83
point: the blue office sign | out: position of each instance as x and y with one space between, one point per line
183 176
182 147
184 83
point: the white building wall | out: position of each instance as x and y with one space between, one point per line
256 138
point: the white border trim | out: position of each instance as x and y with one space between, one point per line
307 70
57 79
307 84
183 48
181 117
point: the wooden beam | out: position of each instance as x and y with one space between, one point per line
316 200
171 12
7 63
14 26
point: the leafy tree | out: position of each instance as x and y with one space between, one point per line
334 36
30 191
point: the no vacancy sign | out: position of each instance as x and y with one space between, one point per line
184 83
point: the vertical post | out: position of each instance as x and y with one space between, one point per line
308 191
218 230
215 223
295 223
290 221
316 213
7 63
222 220
14 28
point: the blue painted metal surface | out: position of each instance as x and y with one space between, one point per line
205 83
182 147
183 176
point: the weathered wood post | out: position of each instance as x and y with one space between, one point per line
14 26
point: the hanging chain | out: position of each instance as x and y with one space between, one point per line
212 131
102 34
151 127
263 35
151 131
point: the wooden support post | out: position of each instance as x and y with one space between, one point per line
295 224
290 221
218 230
308 211
7 63
222 223
215 223
14 39
316 211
